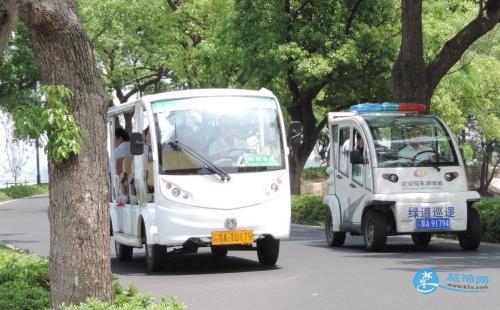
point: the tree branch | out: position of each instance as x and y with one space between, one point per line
455 47
174 4
465 65
143 86
300 8
350 20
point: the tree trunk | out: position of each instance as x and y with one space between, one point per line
408 85
301 110
296 168
483 186
414 81
78 211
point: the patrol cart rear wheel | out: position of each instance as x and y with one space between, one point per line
421 239
123 252
471 238
375 230
334 239
155 256
268 250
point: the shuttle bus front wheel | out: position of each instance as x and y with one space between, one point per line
218 251
268 250
155 256
123 252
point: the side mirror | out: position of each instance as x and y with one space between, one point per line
295 133
356 158
136 143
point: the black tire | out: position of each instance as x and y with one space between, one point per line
471 238
268 250
219 251
155 256
421 239
334 239
375 231
123 252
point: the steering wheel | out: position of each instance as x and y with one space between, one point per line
422 152
228 158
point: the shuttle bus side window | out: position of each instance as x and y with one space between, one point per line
335 142
148 158
358 171
344 149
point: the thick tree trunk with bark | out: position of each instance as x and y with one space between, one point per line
78 212
414 81
301 110
408 74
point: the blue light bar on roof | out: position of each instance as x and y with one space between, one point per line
386 107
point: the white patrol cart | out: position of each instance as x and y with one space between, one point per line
206 168
393 171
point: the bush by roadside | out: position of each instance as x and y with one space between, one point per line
24 280
489 209
24 284
313 175
308 209
21 191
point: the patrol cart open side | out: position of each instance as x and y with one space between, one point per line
393 171
212 171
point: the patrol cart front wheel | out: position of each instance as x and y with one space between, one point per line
268 250
471 238
375 231
334 239
155 256
421 239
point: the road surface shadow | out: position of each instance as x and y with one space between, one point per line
442 255
190 264
305 233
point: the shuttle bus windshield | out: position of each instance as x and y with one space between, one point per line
232 133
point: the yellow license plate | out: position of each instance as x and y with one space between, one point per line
232 237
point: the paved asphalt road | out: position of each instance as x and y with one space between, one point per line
309 274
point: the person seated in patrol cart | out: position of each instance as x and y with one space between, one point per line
415 146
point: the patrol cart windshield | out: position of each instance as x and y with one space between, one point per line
234 134
410 141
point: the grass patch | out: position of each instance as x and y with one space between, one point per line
24 284
308 210
21 191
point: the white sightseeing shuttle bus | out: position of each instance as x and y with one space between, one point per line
394 170
203 168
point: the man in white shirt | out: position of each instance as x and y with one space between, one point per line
122 143
228 142
415 147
